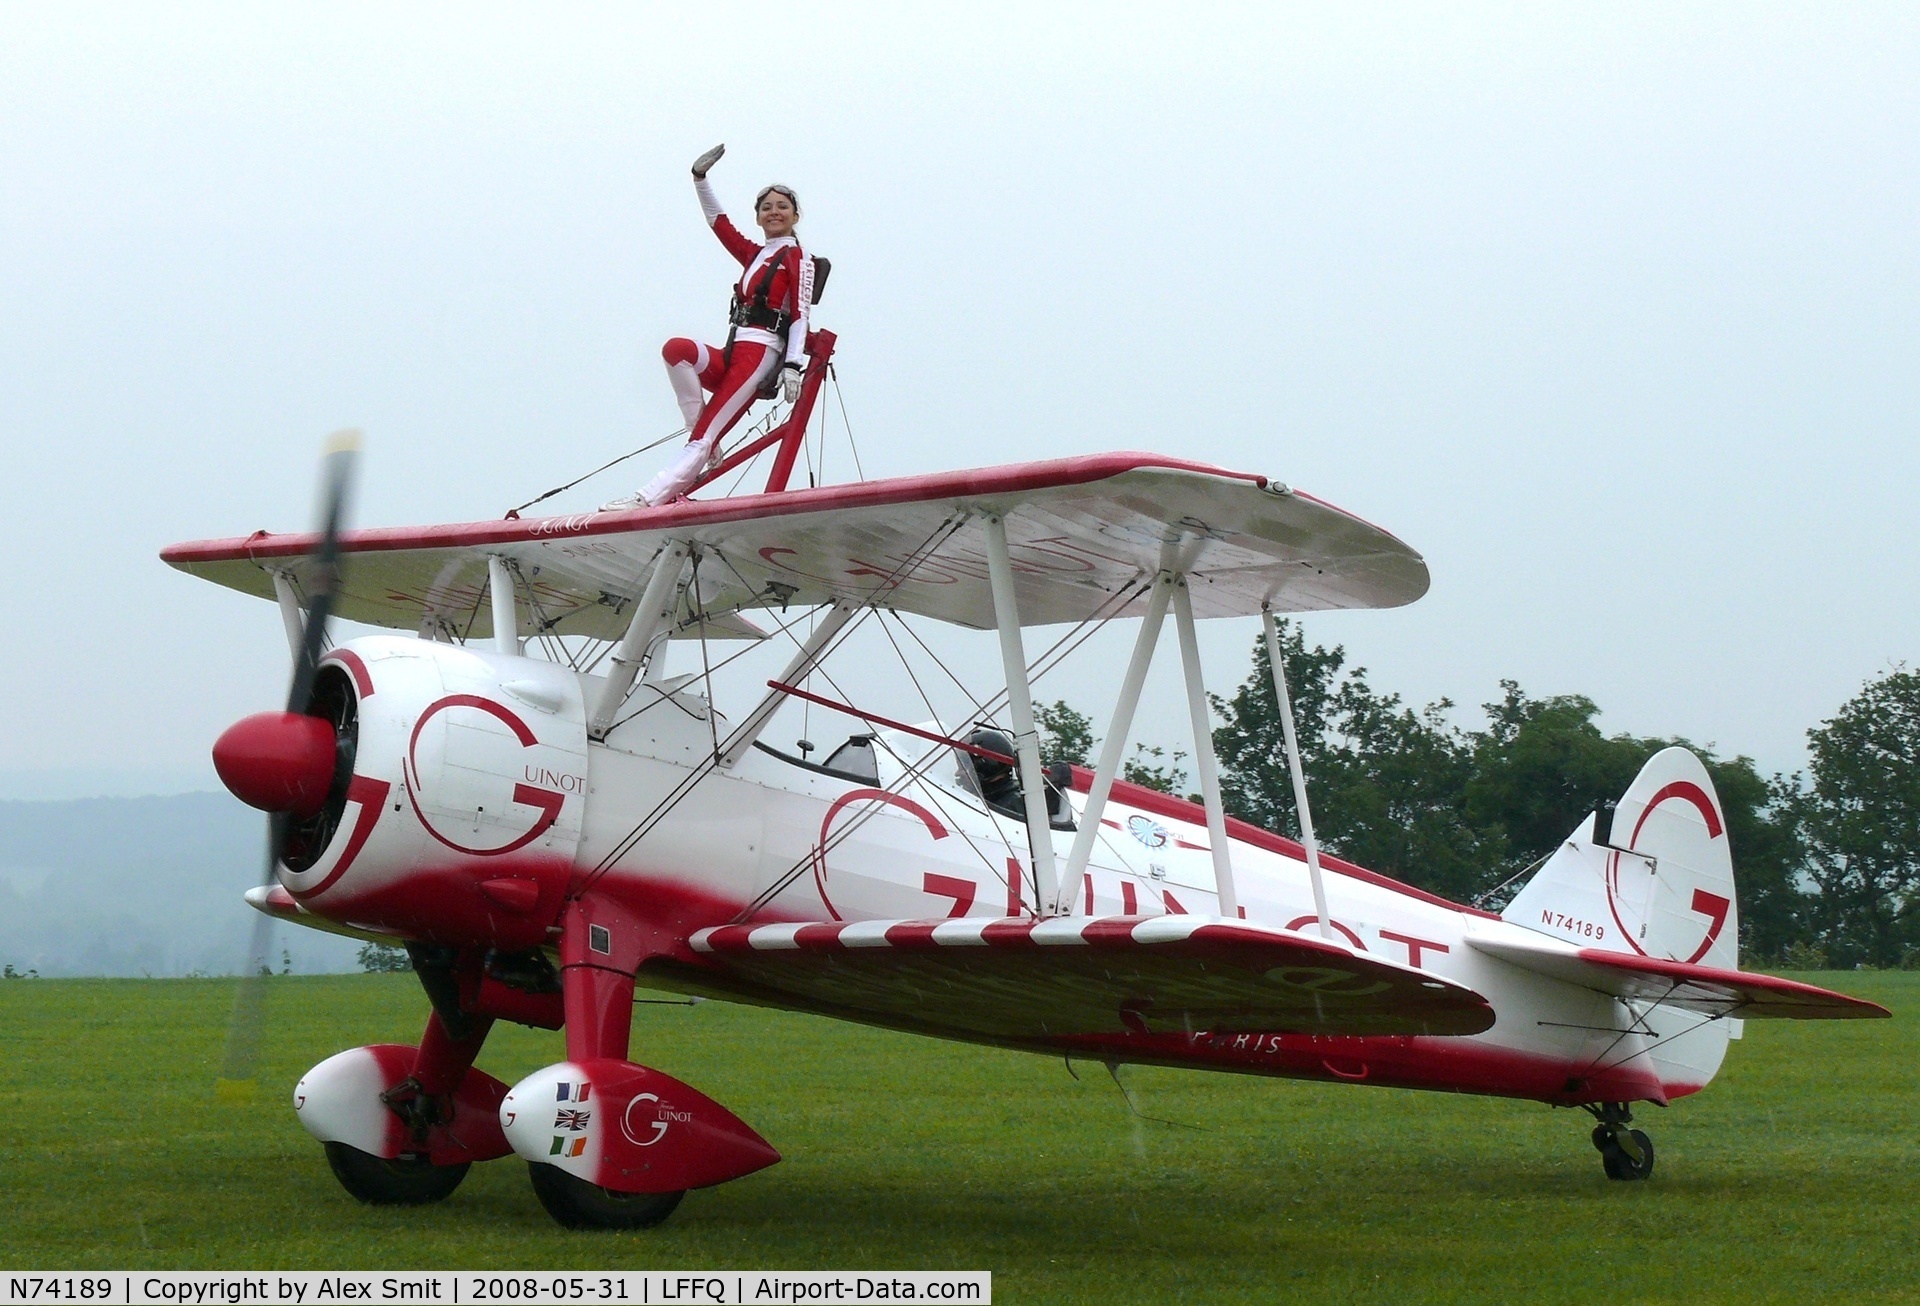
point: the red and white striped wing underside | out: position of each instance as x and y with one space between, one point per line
1021 979
1083 532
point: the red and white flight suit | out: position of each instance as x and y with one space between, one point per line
770 312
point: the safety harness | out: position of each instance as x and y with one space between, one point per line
755 311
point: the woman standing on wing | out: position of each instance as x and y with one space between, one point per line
771 300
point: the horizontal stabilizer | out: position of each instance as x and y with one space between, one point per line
1024 979
1707 990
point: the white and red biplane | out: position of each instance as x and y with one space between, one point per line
544 832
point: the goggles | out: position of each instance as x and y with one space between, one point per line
777 189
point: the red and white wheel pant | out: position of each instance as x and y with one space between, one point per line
695 369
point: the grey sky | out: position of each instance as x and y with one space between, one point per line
1610 311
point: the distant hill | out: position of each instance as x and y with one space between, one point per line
140 886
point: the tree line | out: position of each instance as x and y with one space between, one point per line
1827 862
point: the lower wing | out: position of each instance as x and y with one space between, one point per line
1023 979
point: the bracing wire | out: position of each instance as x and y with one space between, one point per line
936 539
938 536
674 797
913 773
833 374
1481 899
513 513
823 450
833 841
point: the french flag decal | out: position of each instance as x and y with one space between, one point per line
565 1092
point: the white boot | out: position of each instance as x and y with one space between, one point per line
674 479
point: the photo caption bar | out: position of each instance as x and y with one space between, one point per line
496 1288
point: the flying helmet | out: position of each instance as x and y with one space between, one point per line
992 771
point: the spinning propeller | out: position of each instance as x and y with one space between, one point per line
287 763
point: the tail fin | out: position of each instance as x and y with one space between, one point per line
1659 884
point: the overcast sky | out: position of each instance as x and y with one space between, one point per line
1610 310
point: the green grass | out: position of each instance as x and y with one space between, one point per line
1794 1178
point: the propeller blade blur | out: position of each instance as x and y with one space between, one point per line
336 479
269 761
239 1065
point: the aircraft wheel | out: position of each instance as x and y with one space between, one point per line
407 1181
578 1204
1616 1161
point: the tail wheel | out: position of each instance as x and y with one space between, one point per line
578 1204
402 1181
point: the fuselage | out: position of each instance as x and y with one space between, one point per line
478 804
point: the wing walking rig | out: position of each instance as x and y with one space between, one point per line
518 790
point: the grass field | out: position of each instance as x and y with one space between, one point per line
1794 1178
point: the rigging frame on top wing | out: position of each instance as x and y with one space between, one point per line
1034 544
1077 529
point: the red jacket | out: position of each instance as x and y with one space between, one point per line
791 290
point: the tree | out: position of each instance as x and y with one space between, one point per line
1146 768
1859 822
1539 768
1541 765
1462 812
1386 782
384 958
1395 792
1250 745
1065 735
1767 858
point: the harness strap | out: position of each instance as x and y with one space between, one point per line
756 313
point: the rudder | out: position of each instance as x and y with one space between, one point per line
1659 884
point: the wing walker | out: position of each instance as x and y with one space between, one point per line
516 785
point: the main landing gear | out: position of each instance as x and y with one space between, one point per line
579 1204
1624 1153
610 1144
411 1180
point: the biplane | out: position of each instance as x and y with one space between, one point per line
512 785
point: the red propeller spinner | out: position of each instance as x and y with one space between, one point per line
277 761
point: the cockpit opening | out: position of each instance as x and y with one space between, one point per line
997 782
853 760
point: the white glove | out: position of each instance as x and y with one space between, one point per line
790 383
706 161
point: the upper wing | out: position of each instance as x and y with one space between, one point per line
1708 990
1084 533
1021 979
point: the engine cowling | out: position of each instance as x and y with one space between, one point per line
457 813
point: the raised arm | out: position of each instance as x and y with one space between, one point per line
737 245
